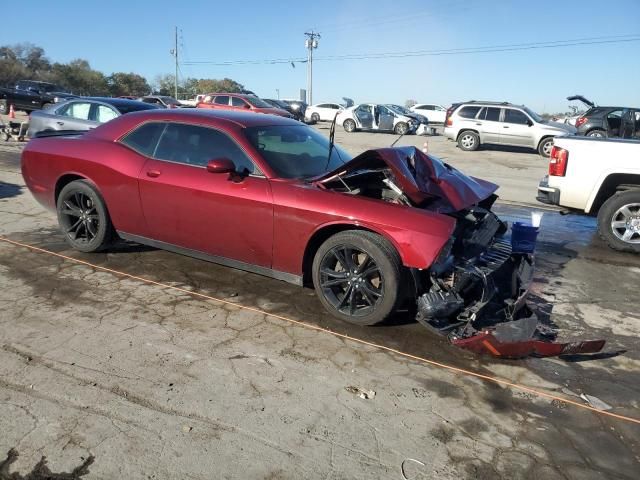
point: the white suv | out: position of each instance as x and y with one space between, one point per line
472 124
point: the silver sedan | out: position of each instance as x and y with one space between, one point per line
82 113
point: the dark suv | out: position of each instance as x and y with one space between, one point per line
615 122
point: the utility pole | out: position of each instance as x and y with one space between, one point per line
310 43
174 52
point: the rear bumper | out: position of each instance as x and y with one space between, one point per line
547 194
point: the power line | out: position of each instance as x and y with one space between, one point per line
611 39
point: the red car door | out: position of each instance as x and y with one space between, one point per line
220 214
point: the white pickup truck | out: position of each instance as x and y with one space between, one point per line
599 177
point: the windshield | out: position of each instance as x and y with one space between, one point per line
170 100
534 115
398 109
295 151
257 102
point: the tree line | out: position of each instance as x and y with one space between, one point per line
25 61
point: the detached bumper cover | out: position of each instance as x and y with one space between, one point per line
481 306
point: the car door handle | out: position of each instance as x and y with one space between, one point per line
478 123
60 123
505 126
153 173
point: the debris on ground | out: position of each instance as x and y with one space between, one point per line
361 392
409 460
595 402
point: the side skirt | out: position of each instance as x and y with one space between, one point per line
227 262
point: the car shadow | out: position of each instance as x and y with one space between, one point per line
506 148
8 190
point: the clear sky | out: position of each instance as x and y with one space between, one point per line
137 35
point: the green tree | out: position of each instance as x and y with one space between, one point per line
121 83
79 78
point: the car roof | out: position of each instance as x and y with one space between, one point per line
202 115
115 101
243 95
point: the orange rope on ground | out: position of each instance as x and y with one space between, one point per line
434 363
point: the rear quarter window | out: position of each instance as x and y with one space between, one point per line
468 112
144 138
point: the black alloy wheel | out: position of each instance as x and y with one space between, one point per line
83 217
357 276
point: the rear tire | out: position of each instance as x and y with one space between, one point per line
544 148
349 126
468 141
357 277
83 217
619 218
315 118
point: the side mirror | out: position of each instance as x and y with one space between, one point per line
247 106
221 165
530 123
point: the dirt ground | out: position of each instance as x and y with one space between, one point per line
136 379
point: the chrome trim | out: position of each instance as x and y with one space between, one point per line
227 262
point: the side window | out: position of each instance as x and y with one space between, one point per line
238 102
104 114
515 116
429 107
144 138
492 114
324 105
77 110
195 145
334 106
468 112
222 100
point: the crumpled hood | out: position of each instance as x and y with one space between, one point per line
421 177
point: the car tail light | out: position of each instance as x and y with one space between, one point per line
581 121
558 162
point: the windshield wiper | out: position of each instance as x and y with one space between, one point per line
332 133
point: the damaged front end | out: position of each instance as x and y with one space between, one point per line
474 293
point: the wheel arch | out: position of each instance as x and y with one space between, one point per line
66 179
322 234
462 130
613 183
543 138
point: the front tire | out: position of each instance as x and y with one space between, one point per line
315 118
619 221
357 276
83 217
597 133
545 146
401 128
468 141
349 126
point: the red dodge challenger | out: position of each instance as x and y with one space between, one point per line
391 228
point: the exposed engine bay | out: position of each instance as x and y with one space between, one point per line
475 291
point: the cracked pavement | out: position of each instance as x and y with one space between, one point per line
157 383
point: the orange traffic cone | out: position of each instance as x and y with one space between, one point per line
12 112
